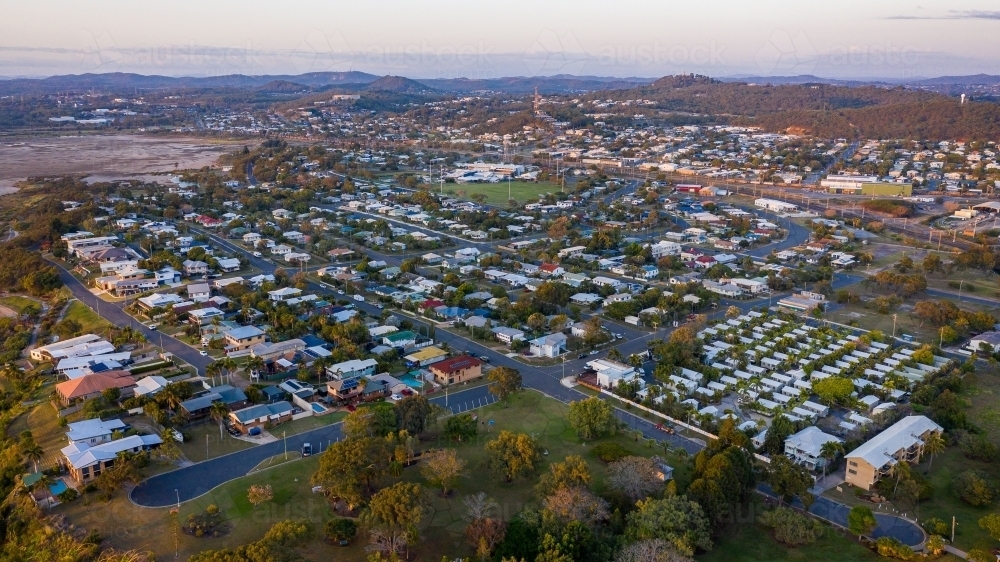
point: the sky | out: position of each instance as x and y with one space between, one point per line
886 39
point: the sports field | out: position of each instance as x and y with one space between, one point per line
496 193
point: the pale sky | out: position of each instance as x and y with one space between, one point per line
447 38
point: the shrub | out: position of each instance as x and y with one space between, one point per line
791 527
340 529
610 452
892 548
68 495
935 526
978 447
974 487
934 545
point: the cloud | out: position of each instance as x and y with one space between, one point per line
954 15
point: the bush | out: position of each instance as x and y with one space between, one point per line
978 447
935 545
892 548
974 487
68 495
791 527
935 526
341 529
610 452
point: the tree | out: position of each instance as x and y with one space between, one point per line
443 469
412 413
504 381
392 517
791 527
675 519
511 455
933 445
341 529
536 321
788 479
861 521
991 524
899 471
461 427
349 468
974 487
32 452
485 530
572 471
258 494
829 451
576 503
834 390
592 418
370 420
635 477
219 412
733 311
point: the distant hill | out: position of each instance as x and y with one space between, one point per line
562 84
121 81
398 85
974 80
283 87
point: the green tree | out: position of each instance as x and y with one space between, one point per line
830 451
592 418
512 455
442 469
412 413
504 381
348 469
974 487
991 524
461 427
788 479
933 445
834 390
572 471
675 519
219 412
392 516
861 521
340 529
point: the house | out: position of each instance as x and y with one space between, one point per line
204 316
294 236
260 415
251 238
352 368
338 253
195 267
280 250
612 373
345 389
228 265
148 386
550 345
402 339
285 349
457 369
806 447
586 299
551 269
88 344
199 292
198 407
901 442
283 293
159 300
426 356
665 248
244 337
297 257
86 463
93 432
91 386
602 281
984 341
507 335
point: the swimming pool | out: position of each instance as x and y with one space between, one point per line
318 408
57 487
413 381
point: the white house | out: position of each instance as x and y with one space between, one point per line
550 345
507 335
806 447
199 292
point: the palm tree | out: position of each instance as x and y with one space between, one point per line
33 452
171 396
933 445
214 368
829 451
229 365
900 470
218 411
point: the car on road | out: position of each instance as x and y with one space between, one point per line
619 337
359 298
484 358
307 449
379 306
581 356
258 255
665 428
203 353
340 291
595 352
152 326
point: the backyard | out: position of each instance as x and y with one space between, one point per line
89 321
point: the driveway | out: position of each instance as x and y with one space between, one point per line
903 530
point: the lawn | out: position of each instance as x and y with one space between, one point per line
44 425
753 543
125 525
87 318
205 443
497 193
17 303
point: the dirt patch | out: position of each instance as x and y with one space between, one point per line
114 155
7 312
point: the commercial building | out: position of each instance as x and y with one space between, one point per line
457 369
901 442
776 206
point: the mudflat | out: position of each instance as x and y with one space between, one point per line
105 155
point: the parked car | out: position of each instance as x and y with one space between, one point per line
258 255
360 298
581 356
484 358
203 353
665 428
307 449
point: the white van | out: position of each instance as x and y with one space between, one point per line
359 298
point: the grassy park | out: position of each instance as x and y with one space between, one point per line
496 193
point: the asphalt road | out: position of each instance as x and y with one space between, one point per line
113 313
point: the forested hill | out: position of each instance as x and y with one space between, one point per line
824 110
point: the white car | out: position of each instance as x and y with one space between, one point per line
258 255
340 291
203 353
